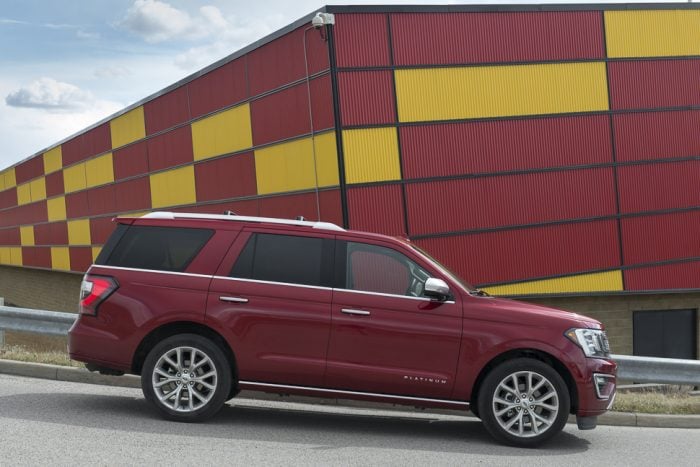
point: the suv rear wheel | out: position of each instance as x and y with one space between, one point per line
186 377
523 402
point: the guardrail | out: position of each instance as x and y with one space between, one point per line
637 369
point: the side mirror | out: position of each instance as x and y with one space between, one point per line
436 289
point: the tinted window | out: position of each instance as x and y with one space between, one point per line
378 269
283 258
159 248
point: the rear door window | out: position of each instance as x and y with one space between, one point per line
158 248
286 258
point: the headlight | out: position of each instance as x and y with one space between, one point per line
594 342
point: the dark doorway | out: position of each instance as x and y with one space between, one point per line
665 333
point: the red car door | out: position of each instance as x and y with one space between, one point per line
386 337
272 298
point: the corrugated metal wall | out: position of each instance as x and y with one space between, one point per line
534 152
236 138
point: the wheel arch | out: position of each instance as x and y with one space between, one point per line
536 354
181 327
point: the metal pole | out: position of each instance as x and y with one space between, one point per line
2 331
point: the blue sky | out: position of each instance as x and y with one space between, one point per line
65 64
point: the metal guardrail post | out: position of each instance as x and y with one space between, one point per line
2 331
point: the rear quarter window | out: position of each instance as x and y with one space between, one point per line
157 248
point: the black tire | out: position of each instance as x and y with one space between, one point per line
199 384
533 420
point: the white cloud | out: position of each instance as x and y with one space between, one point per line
87 35
158 21
47 93
112 71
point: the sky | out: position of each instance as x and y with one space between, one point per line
66 64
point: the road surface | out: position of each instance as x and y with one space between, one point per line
45 422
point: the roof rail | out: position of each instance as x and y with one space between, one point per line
228 217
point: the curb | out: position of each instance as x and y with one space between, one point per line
81 375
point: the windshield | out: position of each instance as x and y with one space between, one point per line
445 271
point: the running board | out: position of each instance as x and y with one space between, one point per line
340 393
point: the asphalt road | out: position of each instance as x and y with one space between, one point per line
46 422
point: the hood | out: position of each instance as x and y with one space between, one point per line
501 309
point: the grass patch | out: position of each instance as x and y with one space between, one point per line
24 354
678 402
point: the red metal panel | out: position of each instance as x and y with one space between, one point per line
361 39
668 276
485 147
331 210
228 177
77 205
290 206
656 135
55 233
100 229
219 88
528 253
131 160
169 149
95 141
659 186
166 111
31 213
377 209
8 198
10 236
54 184
29 169
322 103
446 38
509 200
654 83
80 258
366 97
102 200
133 195
282 61
36 256
280 115
661 237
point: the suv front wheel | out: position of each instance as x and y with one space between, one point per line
523 402
186 377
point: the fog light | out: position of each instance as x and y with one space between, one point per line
604 385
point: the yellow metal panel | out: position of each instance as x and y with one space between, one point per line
225 132
56 208
26 233
79 232
128 128
38 189
53 160
74 178
326 159
371 155
9 178
60 258
648 33
285 167
173 187
99 170
610 281
15 256
95 252
4 253
24 194
2 181
498 91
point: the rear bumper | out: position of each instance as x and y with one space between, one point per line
93 345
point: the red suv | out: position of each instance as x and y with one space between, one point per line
203 306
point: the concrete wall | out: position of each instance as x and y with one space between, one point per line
616 312
39 289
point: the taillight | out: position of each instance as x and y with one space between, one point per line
93 291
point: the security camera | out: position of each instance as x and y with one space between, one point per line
322 19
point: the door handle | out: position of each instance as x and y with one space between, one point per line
350 311
234 299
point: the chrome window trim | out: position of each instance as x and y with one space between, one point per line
422 299
356 393
155 271
290 284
